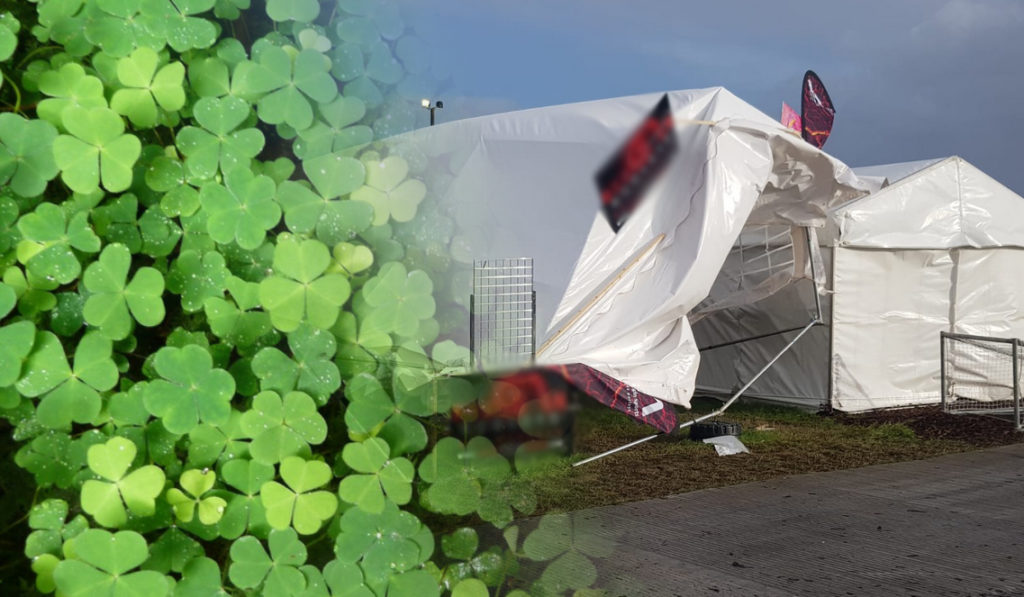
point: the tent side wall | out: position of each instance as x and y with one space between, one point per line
891 305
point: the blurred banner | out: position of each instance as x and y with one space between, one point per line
634 166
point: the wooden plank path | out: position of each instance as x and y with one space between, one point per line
948 526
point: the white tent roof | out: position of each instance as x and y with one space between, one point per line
522 185
950 203
894 172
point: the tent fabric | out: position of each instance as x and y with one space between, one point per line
949 204
930 252
522 185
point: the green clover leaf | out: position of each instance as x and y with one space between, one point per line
313 39
173 551
359 352
382 476
71 393
498 499
298 505
117 30
192 389
298 290
461 544
236 324
278 572
9 27
16 343
310 370
282 427
49 240
31 291
396 301
386 543
382 66
200 578
303 11
351 259
245 511
103 564
285 85
145 87
387 190
50 528
185 503
334 221
69 86
371 412
345 579
334 174
218 143
198 277
116 222
160 234
242 210
107 500
454 489
212 443
113 304
173 21
416 583
336 130
210 77
95 151
369 406
26 160
456 472
566 540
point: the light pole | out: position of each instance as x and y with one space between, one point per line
426 104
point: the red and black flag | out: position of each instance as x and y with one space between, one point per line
625 177
816 111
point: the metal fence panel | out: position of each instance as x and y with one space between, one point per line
503 314
982 375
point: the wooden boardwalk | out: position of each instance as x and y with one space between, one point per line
948 526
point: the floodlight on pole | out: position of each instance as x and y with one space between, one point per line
437 105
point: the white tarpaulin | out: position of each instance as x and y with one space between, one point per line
522 185
937 250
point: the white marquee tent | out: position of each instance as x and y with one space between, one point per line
522 185
939 249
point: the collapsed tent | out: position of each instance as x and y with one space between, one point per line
616 301
936 250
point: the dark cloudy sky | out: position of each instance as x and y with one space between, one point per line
911 79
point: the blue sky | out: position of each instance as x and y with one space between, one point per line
911 79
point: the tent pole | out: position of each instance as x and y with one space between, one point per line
721 410
814 274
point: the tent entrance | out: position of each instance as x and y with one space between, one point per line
795 253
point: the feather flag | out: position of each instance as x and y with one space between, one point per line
790 119
816 110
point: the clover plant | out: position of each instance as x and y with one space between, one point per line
219 288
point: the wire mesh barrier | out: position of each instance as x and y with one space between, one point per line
982 375
502 314
525 408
